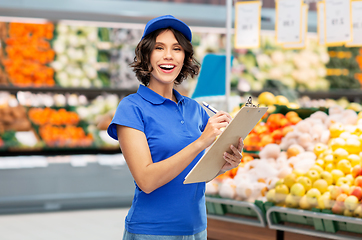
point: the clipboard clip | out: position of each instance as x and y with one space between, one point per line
249 103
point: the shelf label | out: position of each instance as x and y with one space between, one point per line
338 24
320 23
304 32
356 10
288 21
247 24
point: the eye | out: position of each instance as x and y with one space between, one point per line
177 49
159 48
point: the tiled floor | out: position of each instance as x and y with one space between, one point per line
104 224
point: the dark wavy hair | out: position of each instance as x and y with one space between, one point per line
142 65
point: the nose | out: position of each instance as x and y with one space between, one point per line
168 54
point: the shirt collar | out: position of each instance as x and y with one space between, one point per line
154 97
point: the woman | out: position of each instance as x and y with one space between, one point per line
163 134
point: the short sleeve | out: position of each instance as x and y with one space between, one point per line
205 118
127 114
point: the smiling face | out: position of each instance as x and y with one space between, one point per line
167 59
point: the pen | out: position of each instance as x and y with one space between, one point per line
209 107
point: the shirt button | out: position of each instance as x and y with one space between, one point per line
182 122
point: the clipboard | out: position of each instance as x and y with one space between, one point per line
241 125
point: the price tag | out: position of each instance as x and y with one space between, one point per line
320 24
338 27
288 22
356 23
247 24
304 32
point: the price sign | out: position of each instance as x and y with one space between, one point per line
304 31
288 22
338 27
356 24
320 24
247 24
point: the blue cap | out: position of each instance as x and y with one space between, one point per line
165 22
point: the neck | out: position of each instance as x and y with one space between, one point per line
165 90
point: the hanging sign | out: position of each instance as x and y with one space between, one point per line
288 21
304 31
356 6
338 24
320 24
247 24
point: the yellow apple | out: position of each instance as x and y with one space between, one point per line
312 196
298 172
318 168
303 203
340 153
329 158
292 201
344 165
270 196
320 162
325 201
348 213
336 129
290 179
351 203
336 173
353 146
281 192
335 192
312 174
327 176
354 159
319 148
343 180
297 190
321 185
306 182
350 177
329 167
336 143
358 211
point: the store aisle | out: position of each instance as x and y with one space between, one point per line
71 225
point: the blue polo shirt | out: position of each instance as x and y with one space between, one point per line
175 208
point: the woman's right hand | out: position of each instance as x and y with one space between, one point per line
213 128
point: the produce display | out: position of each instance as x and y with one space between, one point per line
27 53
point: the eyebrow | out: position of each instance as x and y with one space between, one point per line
177 44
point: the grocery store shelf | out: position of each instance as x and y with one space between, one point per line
258 222
64 187
90 92
315 216
137 13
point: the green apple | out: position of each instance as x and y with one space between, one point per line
312 196
313 175
336 173
327 176
344 165
281 192
292 201
303 203
340 153
297 190
321 185
351 203
290 179
306 182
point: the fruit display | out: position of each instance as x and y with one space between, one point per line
75 63
27 53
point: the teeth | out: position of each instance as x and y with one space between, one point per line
167 66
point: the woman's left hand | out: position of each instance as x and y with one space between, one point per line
233 160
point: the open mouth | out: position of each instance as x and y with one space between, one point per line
167 67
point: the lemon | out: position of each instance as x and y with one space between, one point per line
281 100
266 98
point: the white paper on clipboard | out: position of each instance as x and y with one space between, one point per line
210 164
